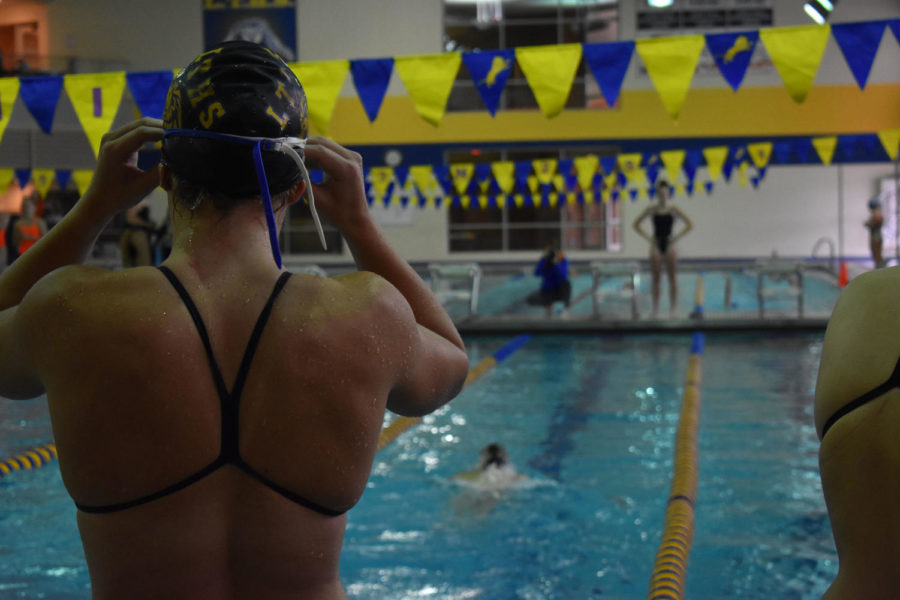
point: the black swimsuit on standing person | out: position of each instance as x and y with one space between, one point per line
230 405
662 230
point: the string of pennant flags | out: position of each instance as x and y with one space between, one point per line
592 179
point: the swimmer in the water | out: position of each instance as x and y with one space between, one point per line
493 470
217 417
663 217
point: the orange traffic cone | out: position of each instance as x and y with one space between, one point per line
842 277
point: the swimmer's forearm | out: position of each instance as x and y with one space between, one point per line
372 252
67 243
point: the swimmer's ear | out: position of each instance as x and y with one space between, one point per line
165 178
297 192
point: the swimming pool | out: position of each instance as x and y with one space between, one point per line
590 419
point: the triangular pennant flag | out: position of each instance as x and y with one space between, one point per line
550 71
642 194
727 168
847 146
803 148
545 169
680 190
95 98
633 193
149 91
760 153
381 179
742 174
43 179
755 181
489 71
797 52
609 163
462 175
609 64
692 161
894 24
82 179
559 183
890 139
652 173
761 173
482 202
41 96
586 167
23 176
371 77
782 151
825 147
732 53
401 174
671 62
483 177
322 82
532 184
523 171
6 177
429 80
709 187
9 91
504 175
715 158
673 160
859 43
63 176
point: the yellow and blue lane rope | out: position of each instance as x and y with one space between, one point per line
29 459
699 298
401 424
667 581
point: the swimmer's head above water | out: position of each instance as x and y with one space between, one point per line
236 124
493 455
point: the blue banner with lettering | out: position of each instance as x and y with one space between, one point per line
272 23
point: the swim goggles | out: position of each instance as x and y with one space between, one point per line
291 146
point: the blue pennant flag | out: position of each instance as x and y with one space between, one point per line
761 173
489 71
692 160
846 147
402 174
615 195
442 175
149 91
633 193
709 187
623 180
732 53
371 77
455 202
608 163
482 174
609 64
755 181
23 176
859 43
803 148
689 188
728 168
62 178
523 170
782 151
870 145
41 95
566 167
652 174
894 24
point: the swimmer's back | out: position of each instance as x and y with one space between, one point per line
859 456
135 409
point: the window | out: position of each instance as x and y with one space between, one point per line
299 235
471 25
513 228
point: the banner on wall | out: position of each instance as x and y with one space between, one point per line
272 23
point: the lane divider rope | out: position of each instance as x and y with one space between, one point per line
401 424
667 581
32 458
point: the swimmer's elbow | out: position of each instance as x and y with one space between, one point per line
432 382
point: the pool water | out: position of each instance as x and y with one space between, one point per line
591 421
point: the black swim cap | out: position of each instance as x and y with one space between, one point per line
238 88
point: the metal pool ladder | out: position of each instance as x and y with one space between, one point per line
443 276
791 271
602 270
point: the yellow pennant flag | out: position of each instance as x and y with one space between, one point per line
588 196
550 71
760 153
465 201
82 178
532 184
519 200
606 195
380 178
610 181
429 79
586 167
715 159
642 193
554 199
500 199
482 201
571 199
6 177
9 91
462 175
630 164
423 175
743 180
545 169
504 174
673 160
322 81
680 190
825 148
43 179
890 139
95 98
796 52
671 62
559 182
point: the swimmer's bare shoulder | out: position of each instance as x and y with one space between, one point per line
860 349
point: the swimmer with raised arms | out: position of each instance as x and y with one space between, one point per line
216 418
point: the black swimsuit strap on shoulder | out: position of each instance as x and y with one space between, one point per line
892 382
229 406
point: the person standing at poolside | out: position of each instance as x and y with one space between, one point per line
553 269
29 228
663 217
874 224
857 416
217 417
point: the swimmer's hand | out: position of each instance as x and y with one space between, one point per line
341 197
118 183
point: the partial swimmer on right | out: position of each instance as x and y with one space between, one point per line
663 217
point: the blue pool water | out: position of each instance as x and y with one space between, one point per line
591 421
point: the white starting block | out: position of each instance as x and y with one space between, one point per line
459 281
791 272
603 270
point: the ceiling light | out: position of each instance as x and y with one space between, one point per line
660 3
814 13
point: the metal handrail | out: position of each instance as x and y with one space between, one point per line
467 271
831 251
599 270
782 269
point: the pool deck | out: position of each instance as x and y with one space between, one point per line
731 321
